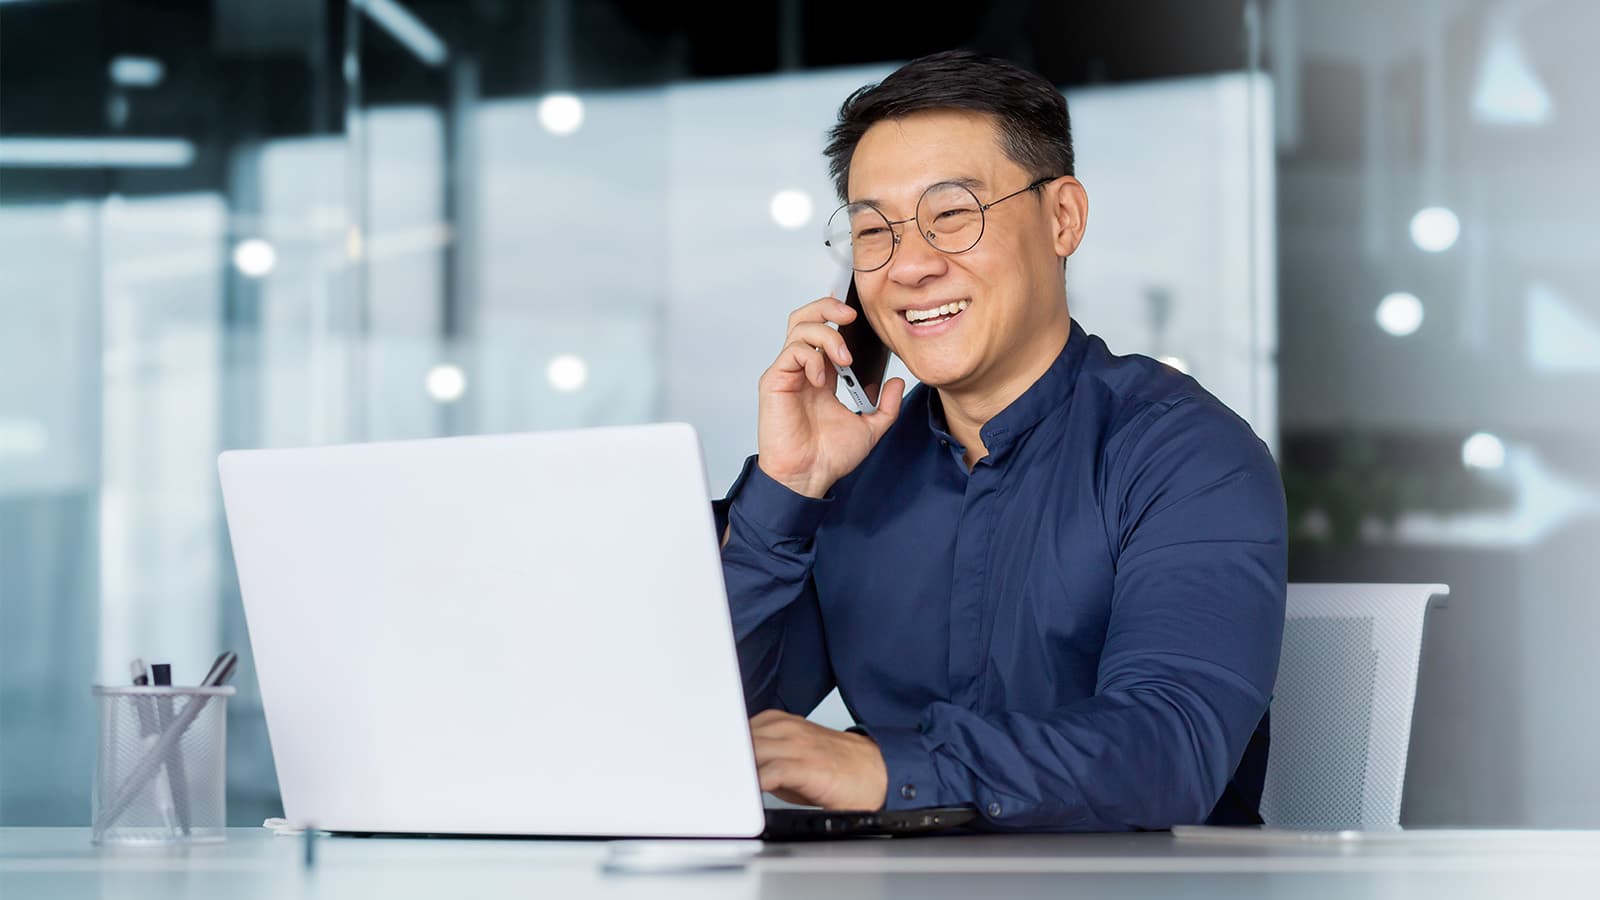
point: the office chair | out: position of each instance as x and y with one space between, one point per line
1341 708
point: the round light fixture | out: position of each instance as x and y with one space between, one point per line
791 209
255 257
567 373
1483 451
1435 228
1400 313
561 114
446 382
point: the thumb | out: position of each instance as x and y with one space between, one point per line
888 407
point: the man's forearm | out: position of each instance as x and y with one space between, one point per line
1115 762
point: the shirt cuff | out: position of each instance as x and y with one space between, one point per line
913 783
774 507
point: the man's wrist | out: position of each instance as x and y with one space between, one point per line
876 776
805 486
910 779
777 508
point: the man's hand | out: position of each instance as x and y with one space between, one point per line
802 762
806 438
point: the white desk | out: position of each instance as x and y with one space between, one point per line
50 863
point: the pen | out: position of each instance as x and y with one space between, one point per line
227 658
148 728
177 782
148 765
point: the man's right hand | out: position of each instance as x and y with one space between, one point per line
806 438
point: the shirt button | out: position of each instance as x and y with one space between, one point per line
994 810
944 443
908 791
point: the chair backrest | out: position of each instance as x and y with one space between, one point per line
1341 708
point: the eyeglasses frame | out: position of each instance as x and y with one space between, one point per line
983 220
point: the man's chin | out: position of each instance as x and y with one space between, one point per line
940 374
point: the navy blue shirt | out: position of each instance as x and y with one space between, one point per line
1081 633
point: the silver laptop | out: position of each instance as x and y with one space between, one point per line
519 634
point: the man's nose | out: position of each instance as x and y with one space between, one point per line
915 259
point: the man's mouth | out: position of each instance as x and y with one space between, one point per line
935 315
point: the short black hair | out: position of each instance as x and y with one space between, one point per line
1030 114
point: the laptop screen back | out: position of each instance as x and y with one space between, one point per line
519 634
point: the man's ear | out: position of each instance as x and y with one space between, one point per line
1068 205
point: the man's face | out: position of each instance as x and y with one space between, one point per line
1010 281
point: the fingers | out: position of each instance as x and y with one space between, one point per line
774 722
827 309
791 777
799 356
776 734
809 332
817 334
770 715
792 797
796 758
776 775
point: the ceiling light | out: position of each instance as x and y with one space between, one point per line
567 373
446 383
1435 228
1400 313
255 257
561 114
791 209
137 71
95 153
1483 451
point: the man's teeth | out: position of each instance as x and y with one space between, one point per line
921 315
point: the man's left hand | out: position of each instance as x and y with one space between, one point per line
802 762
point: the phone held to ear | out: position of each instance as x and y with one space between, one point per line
863 378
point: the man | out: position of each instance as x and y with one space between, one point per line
1049 582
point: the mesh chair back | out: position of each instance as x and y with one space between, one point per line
1341 708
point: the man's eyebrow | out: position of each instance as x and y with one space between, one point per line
966 181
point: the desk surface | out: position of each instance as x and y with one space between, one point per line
49 863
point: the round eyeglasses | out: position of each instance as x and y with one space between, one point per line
949 216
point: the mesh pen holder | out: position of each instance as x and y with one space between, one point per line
161 773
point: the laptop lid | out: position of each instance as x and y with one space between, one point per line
513 634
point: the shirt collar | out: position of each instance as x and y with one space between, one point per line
1049 393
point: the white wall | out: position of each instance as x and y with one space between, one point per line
1180 181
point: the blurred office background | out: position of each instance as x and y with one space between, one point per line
1367 226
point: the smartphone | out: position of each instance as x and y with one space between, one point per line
863 378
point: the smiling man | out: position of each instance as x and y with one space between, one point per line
1049 582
